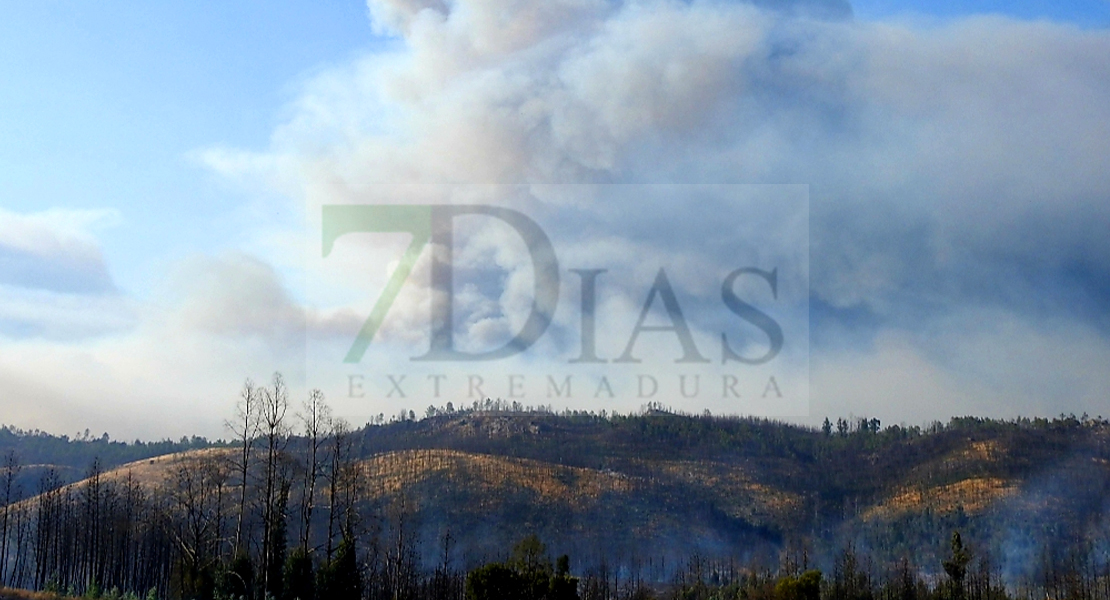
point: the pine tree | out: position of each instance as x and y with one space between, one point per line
339 578
956 567
300 583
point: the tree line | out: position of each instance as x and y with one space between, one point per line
284 510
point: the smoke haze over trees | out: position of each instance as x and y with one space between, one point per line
298 504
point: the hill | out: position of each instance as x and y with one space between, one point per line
681 484
651 490
69 458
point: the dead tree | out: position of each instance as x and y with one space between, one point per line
316 419
245 427
193 493
11 495
275 404
341 476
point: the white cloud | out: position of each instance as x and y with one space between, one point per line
992 364
955 168
214 322
54 281
62 317
958 175
55 251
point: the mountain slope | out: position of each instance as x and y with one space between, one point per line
663 486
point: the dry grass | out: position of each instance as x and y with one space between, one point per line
983 451
737 492
971 457
389 473
152 472
17 594
974 495
149 473
741 495
973 454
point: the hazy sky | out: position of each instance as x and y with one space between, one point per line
161 165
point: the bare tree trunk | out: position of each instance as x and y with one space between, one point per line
11 471
245 428
275 403
316 418
91 531
337 467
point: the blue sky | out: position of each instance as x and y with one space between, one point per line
1094 13
105 104
153 158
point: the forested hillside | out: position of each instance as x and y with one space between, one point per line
652 503
69 458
